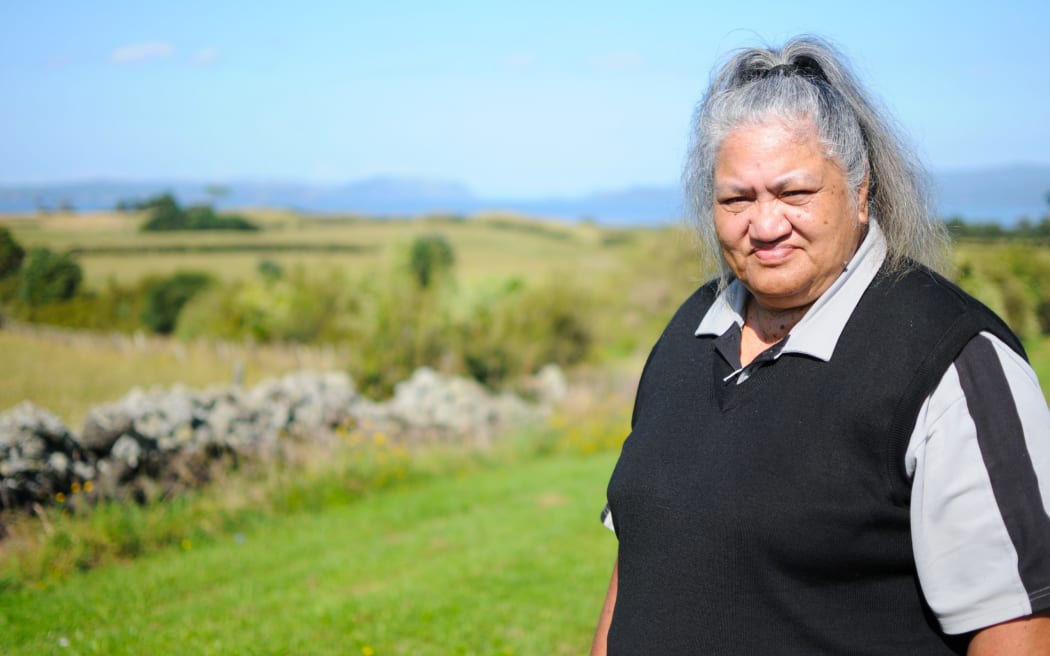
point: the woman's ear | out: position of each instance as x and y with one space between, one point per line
862 199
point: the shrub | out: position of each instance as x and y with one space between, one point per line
165 298
11 254
270 270
430 258
1011 280
295 307
48 277
522 329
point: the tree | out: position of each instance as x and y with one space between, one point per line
430 258
165 214
11 254
217 191
48 277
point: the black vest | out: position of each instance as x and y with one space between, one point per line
772 517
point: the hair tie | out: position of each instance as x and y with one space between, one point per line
802 67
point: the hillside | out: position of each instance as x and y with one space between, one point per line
998 194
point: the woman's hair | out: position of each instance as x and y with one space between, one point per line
808 79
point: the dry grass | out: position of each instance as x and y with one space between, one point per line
68 372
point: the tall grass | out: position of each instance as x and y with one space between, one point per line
68 372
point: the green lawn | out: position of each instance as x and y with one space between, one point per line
509 560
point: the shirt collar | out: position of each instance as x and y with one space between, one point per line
818 332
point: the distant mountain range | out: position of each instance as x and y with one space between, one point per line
1002 194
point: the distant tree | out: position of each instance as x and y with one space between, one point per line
430 257
48 277
11 254
129 205
1024 228
217 191
165 214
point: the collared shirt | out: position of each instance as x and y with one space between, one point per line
818 332
965 525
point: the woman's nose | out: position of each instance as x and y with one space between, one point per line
769 222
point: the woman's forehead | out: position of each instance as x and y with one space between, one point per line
780 148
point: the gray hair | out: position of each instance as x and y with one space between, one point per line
808 79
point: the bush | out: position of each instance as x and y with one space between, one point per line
11 254
523 329
48 277
270 270
293 308
431 257
1012 281
165 298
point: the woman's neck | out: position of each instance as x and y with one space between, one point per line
764 327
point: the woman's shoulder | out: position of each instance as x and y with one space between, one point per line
920 296
693 309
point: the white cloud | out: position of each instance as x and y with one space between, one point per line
206 56
618 61
141 52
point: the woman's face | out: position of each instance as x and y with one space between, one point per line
784 213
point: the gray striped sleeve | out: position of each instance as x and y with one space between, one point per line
980 459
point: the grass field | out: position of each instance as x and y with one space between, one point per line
109 246
508 560
503 559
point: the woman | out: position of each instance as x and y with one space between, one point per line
834 450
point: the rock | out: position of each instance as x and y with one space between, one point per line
126 451
164 439
103 425
550 384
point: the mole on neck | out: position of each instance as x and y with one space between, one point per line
764 327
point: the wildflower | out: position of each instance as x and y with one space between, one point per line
75 488
379 439
367 651
186 544
88 486
61 498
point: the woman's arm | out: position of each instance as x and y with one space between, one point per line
600 635
1028 636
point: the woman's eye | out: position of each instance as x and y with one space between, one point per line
735 201
797 194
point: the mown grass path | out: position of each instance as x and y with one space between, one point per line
509 560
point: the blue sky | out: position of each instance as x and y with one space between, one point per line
511 99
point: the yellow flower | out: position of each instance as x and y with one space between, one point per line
88 486
379 439
61 498
367 651
75 488
186 544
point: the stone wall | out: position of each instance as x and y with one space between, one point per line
173 437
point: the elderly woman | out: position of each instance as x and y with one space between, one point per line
834 450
